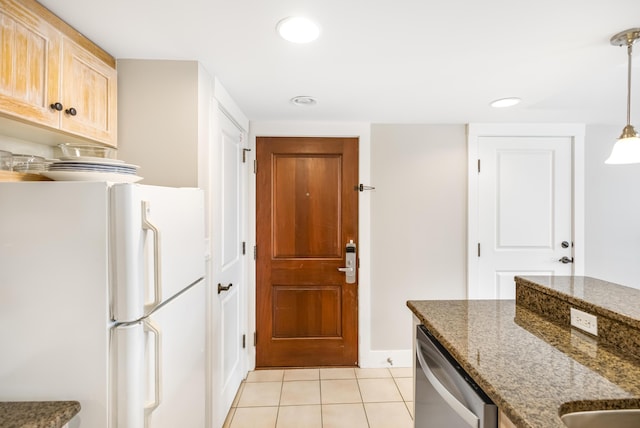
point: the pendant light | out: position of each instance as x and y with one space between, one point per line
627 148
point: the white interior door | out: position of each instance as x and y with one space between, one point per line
228 265
524 211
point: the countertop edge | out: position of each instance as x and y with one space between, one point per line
597 310
37 414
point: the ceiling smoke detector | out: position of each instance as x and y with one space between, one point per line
304 100
297 29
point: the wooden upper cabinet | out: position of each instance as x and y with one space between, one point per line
30 54
88 95
52 76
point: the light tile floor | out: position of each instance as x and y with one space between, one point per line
324 398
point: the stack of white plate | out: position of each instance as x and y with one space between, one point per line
85 168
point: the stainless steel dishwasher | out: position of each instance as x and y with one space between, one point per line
446 396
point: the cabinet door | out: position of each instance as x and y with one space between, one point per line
88 87
29 58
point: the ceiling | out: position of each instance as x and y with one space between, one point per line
389 61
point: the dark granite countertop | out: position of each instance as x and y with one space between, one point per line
37 414
533 369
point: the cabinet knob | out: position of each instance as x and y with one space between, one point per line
56 106
71 111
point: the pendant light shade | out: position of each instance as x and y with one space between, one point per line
627 149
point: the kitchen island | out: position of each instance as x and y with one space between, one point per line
533 369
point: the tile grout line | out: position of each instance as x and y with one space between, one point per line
364 409
321 405
279 400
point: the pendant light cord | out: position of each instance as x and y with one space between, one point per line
629 53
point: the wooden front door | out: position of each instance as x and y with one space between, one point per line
306 212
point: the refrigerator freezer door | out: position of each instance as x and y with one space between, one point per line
158 246
161 366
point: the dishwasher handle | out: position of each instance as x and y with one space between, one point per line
467 415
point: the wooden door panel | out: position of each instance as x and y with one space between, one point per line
307 311
307 210
306 206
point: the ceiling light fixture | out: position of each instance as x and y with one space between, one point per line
304 100
297 29
505 102
627 148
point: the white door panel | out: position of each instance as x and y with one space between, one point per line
228 265
230 330
524 210
523 179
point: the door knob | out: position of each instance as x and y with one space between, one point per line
566 260
222 288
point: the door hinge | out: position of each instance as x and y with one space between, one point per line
255 252
255 338
478 166
244 155
478 249
255 166
244 341
244 248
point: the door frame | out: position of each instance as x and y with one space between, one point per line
576 132
362 131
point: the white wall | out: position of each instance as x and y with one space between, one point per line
418 224
18 146
158 120
612 212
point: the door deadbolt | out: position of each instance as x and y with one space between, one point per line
564 244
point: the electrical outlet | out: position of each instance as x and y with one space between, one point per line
584 321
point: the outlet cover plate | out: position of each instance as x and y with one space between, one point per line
584 321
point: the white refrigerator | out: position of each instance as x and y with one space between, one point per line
102 300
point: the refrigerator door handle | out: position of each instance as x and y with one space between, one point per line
157 283
149 327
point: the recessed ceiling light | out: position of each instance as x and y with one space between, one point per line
297 29
304 100
505 102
